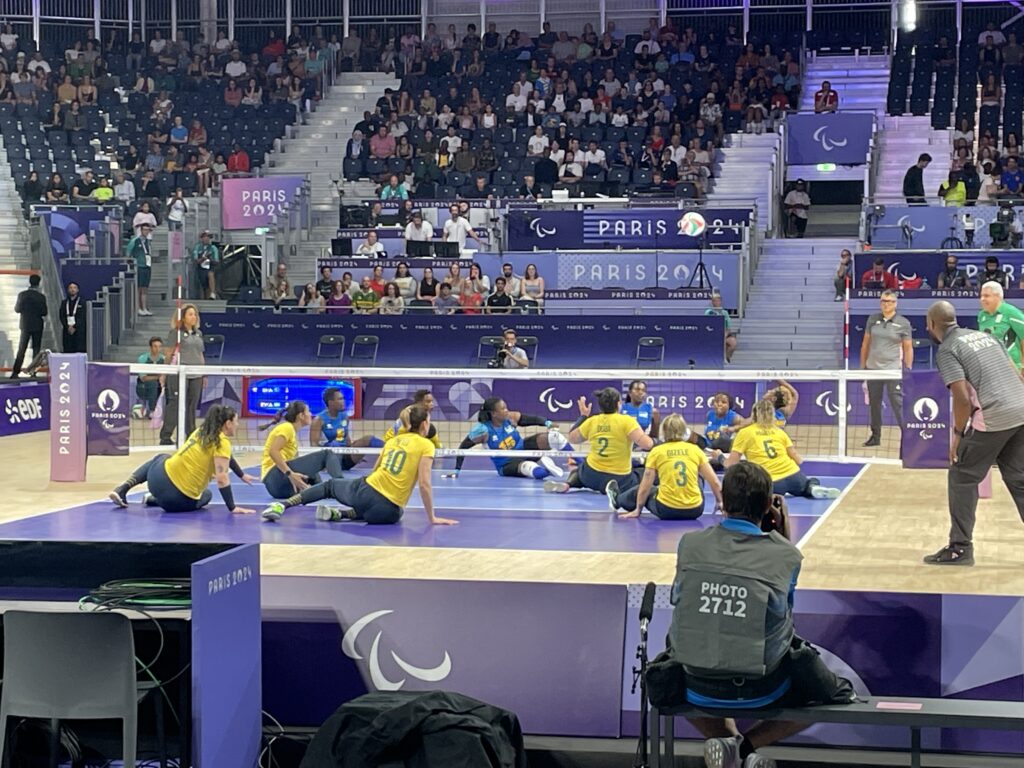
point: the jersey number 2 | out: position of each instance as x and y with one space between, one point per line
602 446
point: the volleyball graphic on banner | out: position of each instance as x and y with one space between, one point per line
692 224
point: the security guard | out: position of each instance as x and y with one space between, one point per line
732 627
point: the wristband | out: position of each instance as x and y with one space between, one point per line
236 468
228 496
548 423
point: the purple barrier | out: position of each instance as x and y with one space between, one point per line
110 402
68 406
547 652
246 203
915 266
927 418
546 230
26 408
842 138
91 278
452 340
227 651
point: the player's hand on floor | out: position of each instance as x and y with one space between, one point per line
444 521
249 479
243 511
629 515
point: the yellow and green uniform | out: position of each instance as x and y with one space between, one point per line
610 445
1007 325
768 448
396 474
192 467
677 464
363 300
289 450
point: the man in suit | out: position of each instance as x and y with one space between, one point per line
31 305
72 321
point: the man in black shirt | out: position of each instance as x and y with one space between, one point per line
529 188
913 180
545 170
31 305
952 276
325 285
83 189
499 302
994 273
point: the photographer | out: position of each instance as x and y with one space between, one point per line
732 640
509 355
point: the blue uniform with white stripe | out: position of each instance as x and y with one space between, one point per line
505 437
643 413
335 429
714 425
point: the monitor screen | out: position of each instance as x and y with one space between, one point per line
418 249
446 250
341 246
265 397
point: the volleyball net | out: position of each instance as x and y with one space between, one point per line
830 419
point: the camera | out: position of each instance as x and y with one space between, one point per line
777 517
500 353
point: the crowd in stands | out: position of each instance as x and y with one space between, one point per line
121 121
491 115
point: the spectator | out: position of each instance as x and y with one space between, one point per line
382 145
446 304
278 288
371 246
147 387
418 230
8 40
991 31
887 341
878 277
103 193
989 190
545 170
124 190
391 302
1011 180
479 190
143 216
457 229
205 258
56 190
405 281
825 99
72 321
176 209
844 272
140 251
532 287
716 309
595 162
797 204
428 287
238 160
394 190
952 277
511 354
233 94
486 159
82 190
529 189
311 300
366 300
377 282
325 285
993 273
339 302
31 306
513 284
953 191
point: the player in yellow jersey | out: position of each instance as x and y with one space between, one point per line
422 397
284 472
677 465
608 467
379 497
767 445
179 482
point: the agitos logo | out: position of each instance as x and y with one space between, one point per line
377 676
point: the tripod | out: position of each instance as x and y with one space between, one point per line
700 272
640 676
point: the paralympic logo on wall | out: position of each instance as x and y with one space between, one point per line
380 681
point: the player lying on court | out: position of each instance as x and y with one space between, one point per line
284 472
608 466
378 498
330 429
178 482
670 488
498 428
766 444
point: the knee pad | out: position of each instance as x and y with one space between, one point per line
532 469
557 440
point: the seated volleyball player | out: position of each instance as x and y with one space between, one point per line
783 398
721 427
677 466
498 427
608 467
636 405
767 445
422 397
178 482
284 472
329 429
379 497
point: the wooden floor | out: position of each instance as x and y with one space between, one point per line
872 540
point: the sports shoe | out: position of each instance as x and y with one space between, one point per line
611 490
723 753
873 442
328 513
118 498
952 555
556 486
149 500
839 298
824 492
755 760
274 512
549 464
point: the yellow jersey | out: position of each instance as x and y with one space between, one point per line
396 475
289 450
677 464
191 468
768 448
610 446
399 428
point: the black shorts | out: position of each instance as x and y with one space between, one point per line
811 682
511 467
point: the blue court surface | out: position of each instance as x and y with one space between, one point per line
493 513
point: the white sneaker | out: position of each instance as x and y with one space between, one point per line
824 492
755 760
549 464
723 753
555 486
213 296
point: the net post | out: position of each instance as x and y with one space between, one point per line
843 414
182 405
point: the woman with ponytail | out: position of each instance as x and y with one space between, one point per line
766 444
179 482
284 472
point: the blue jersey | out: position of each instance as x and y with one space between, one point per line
502 438
713 429
334 430
643 413
780 418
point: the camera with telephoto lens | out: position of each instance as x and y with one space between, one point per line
777 517
501 351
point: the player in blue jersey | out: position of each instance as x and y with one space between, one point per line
330 429
784 398
498 428
720 428
636 405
